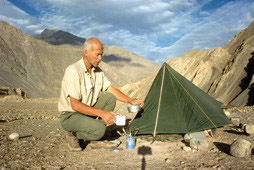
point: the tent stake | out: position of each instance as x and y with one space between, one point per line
154 138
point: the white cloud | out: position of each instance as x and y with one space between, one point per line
137 16
146 27
215 30
17 17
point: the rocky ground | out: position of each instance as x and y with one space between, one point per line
42 145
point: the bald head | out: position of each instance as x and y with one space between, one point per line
93 51
90 42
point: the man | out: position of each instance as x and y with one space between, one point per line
87 94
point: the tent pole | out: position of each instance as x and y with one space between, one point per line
159 104
154 138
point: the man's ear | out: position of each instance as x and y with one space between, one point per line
85 52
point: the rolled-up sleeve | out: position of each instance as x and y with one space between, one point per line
106 83
72 83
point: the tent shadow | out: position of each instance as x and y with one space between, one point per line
223 147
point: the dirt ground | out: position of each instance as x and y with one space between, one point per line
42 144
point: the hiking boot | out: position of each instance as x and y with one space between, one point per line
72 142
103 145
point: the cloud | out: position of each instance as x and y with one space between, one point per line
139 17
135 25
17 17
214 31
154 29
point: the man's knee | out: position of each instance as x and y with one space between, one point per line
99 132
111 98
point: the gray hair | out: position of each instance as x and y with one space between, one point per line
88 44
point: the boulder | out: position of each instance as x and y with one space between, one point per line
199 144
249 129
235 121
240 148
186 148
14 136
227 113
9 91
194 135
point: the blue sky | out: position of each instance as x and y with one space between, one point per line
155 29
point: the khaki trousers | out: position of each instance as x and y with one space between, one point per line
87 127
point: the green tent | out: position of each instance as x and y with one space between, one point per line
175 105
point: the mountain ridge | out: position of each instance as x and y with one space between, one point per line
37 67
59 37
226 73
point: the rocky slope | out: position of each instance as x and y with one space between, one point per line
37 67
226 73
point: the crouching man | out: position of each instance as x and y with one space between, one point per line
86 94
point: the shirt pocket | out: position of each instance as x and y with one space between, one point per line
98 86
86 92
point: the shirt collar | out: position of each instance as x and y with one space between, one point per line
83 66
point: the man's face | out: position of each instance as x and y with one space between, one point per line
94 55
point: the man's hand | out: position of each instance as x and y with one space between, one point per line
108 117
122 97
137 102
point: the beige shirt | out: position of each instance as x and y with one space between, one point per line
79 84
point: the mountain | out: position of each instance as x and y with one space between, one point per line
227 74
59 37
38 67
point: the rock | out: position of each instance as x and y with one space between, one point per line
215 150
5 91
14 136
199 144
240 148
235 121
242 126
249 129
21 93
186 149
187 137
167 160
227 113
194 135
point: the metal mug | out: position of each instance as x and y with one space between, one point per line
130 143
120 120
134 108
